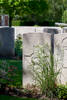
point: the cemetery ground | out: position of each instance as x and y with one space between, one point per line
18 78
11 85
14 91
2 97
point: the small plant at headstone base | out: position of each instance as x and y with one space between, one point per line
7 73
18 46
3 75
62 92
3 71
12 73
43 70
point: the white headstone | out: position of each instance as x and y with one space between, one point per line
21 30
60 51
29 41
64 29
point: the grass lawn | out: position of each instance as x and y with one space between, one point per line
18 78
4 97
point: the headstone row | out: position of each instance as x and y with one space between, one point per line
22 30
59 42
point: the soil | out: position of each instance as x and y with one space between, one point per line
12 91
29 92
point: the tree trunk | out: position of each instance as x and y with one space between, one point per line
10 21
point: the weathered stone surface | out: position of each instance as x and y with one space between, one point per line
64 29
60 51
29 41
6 41
54 30
21 30
39 29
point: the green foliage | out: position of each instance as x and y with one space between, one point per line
37 11
18 78
16 23
43 70
18 46
7 72
9 7
56 8
30 10
34 10
3 72
62 92
11 72
64 17
65 3
5 97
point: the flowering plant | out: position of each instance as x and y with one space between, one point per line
7 73
12 73
3 70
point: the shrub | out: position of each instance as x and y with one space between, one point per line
43 70
62 92
18 46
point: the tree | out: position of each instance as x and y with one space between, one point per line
64 17
30 10
65 4
34 10
56 10
9 7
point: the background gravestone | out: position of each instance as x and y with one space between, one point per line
54 30
60 52
6 41
64 29
29 41
21 30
